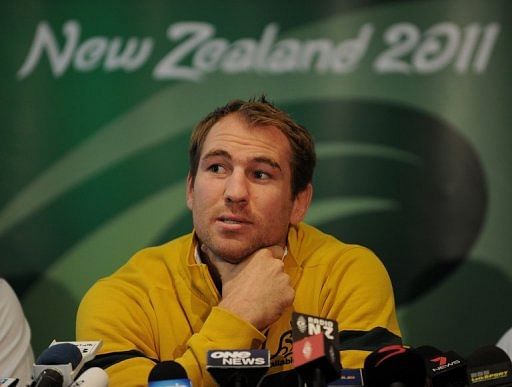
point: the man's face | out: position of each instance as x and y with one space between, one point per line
241 197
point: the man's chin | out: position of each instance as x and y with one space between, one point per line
233 255
233 261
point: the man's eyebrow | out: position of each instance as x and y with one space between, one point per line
259 159
269 161
216 153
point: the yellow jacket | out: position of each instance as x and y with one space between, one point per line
162 305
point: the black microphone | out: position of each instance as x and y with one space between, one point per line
444 369
238 368
315 355
57 366
49 378
168 374
394 366
8 382
489 366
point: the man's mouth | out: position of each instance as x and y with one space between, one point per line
232 220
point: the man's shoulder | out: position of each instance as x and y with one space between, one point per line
165 252
313 246
152 263
174 246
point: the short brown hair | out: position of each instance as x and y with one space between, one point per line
260 112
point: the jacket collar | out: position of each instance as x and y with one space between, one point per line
197 276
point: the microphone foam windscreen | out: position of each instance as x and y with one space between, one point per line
49 378
62 353
428 351
167 370
394 364
488 355
444 368
489 366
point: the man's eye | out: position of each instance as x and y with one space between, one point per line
216 168
260 175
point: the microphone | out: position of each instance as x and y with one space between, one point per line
443 368
57 365
168 374
49 378
239 368
88 349
315 356
394 366
93 377
489 366
66 357
8 382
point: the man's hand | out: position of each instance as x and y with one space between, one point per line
257 289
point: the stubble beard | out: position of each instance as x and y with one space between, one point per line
231 251
235 251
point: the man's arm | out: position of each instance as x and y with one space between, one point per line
124 319
358 294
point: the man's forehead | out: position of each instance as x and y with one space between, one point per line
232 132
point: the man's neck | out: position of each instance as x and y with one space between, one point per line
212 269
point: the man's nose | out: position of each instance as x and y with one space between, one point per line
236 189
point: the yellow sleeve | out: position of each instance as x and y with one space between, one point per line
109 312
359 295
221 330
124 317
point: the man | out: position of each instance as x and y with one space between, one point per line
249 263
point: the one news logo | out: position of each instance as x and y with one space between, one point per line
238 358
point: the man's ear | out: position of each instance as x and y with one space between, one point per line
190 190
301 205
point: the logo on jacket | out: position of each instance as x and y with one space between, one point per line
283 354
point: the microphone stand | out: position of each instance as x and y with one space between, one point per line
318 378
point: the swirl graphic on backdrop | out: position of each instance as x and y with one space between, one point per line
418 188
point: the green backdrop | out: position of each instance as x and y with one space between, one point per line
408 102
